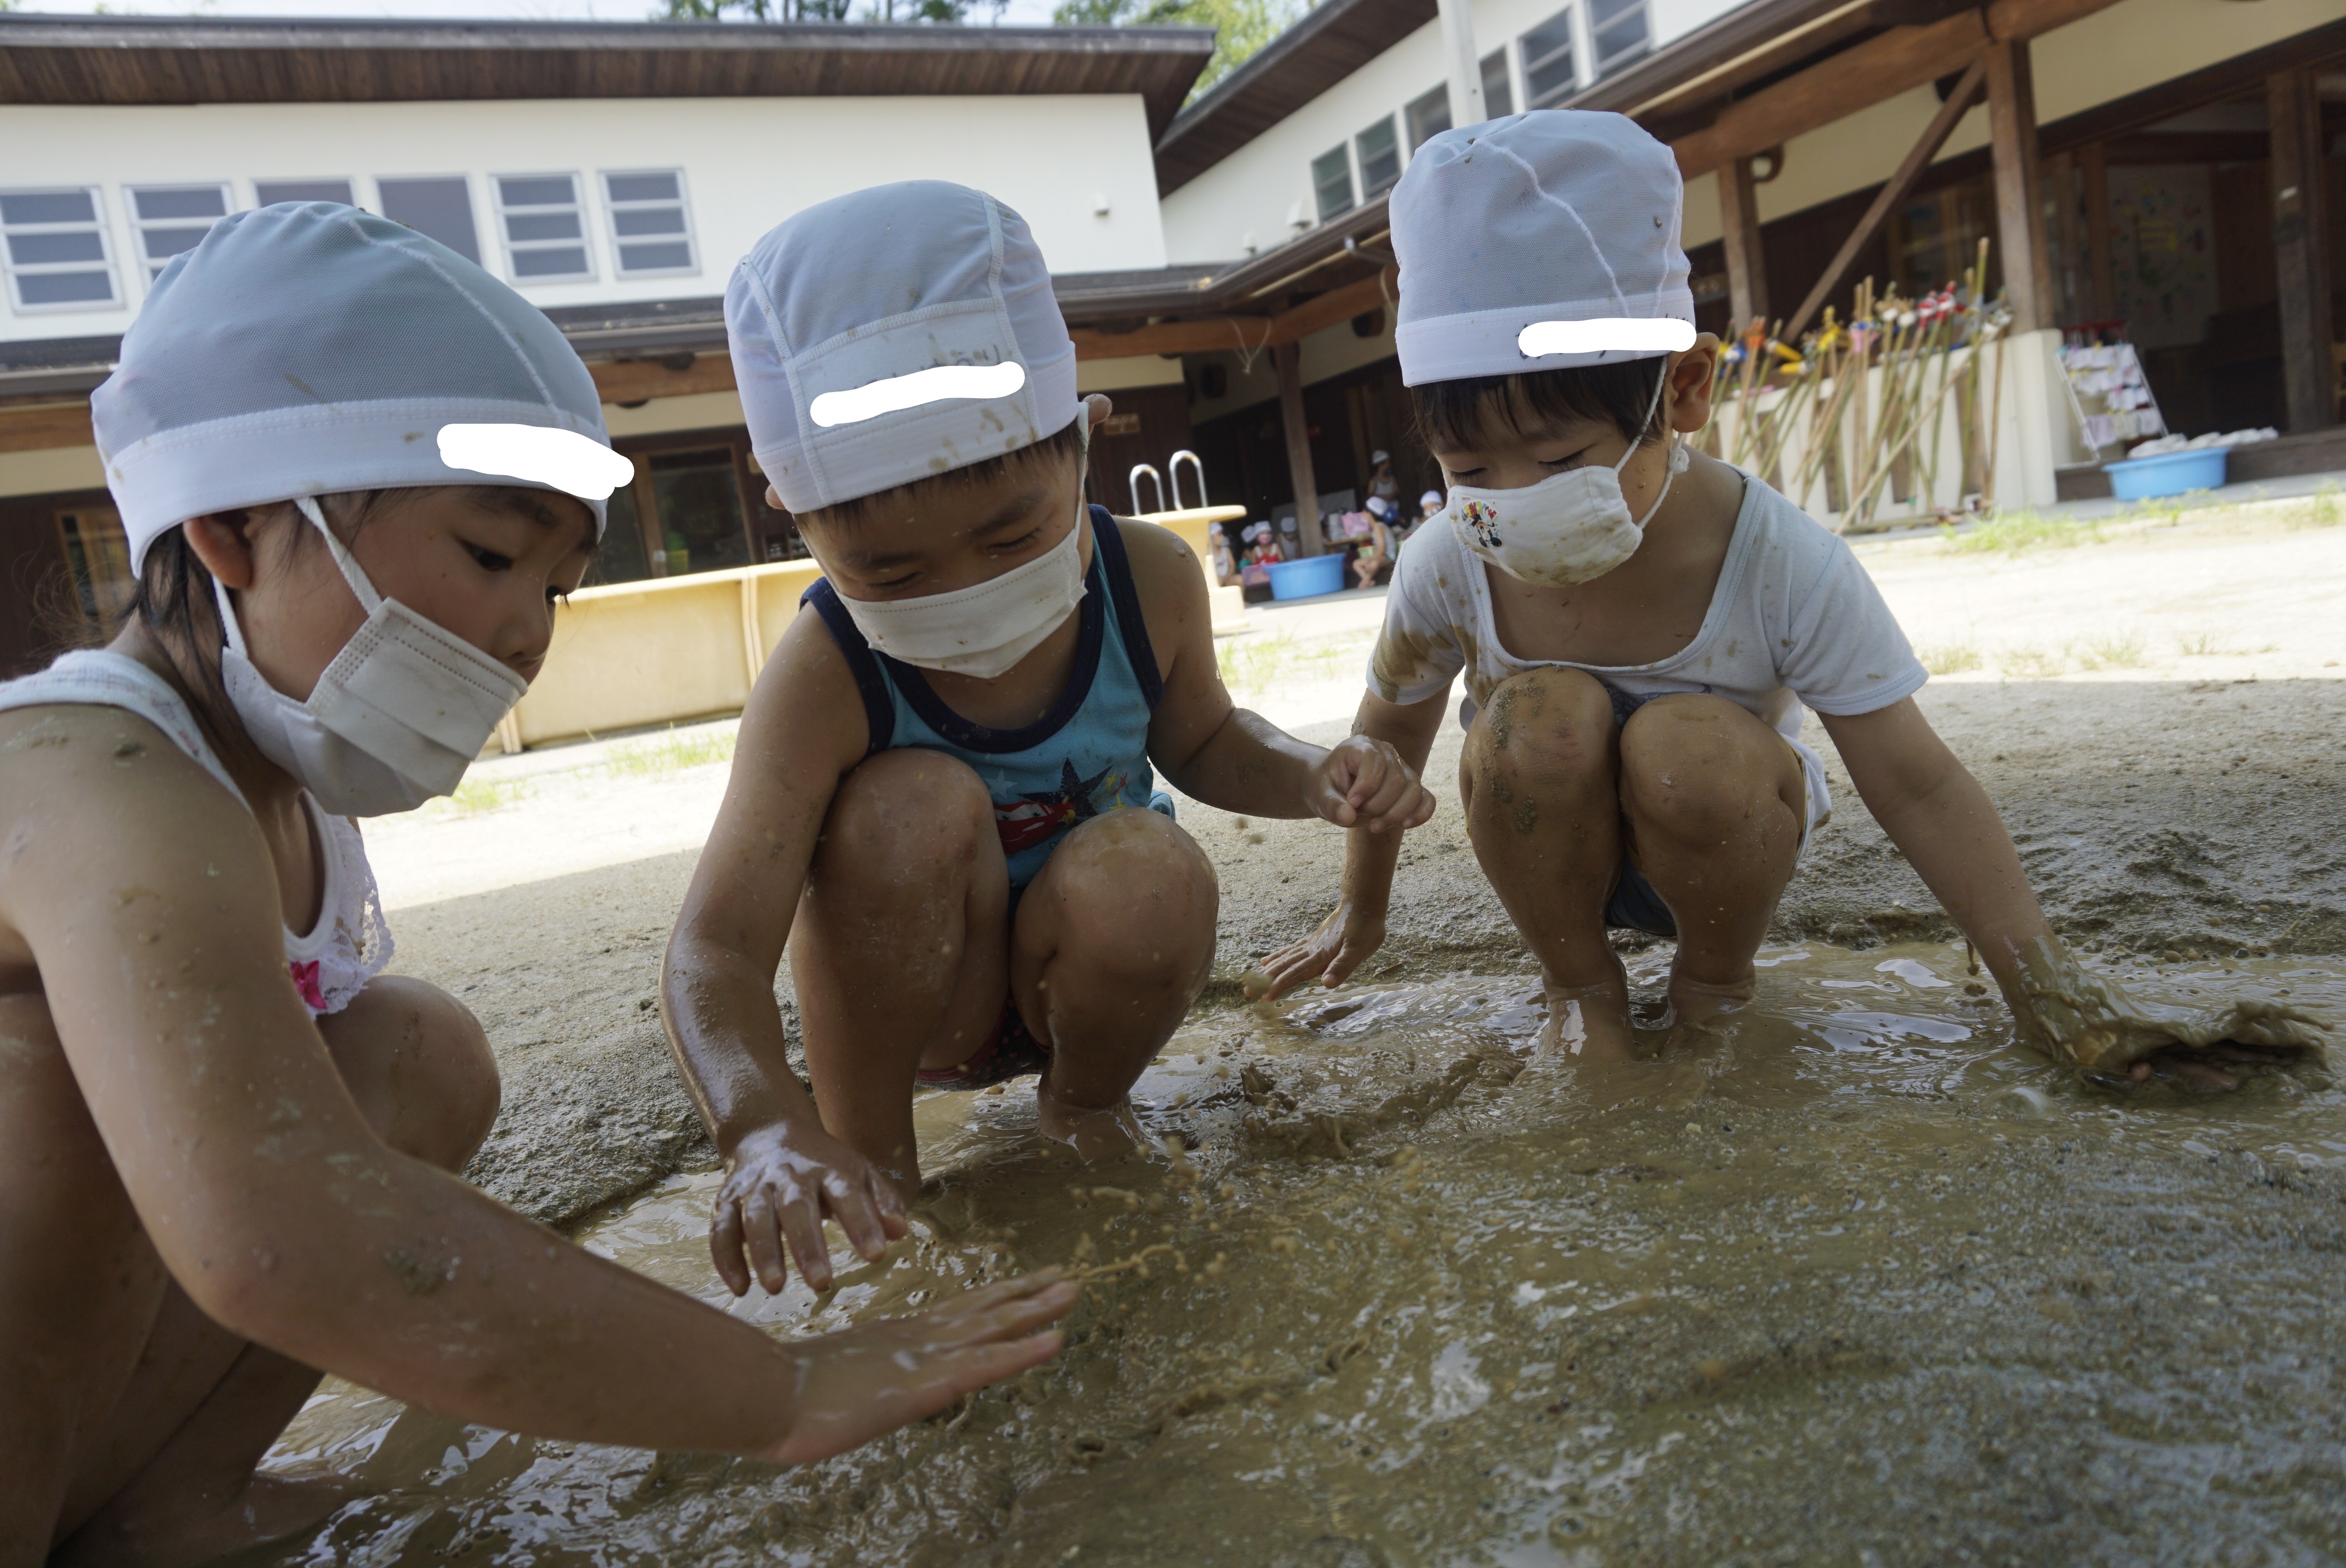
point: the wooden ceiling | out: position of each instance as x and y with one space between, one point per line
202 60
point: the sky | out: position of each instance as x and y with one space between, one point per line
1017 11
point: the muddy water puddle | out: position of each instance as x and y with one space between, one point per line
1858 1282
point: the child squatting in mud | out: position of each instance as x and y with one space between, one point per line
229 1139
1639 626
941 797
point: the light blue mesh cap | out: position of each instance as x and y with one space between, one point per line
1558 216
882 284
311 348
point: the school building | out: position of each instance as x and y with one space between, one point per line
2166 171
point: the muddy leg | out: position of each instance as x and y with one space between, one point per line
1715 804
1115 939
166 1477
1538 779
900 949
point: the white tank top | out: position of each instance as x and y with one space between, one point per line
352 942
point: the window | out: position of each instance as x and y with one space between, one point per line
1428 117
1380 154
56 253
1331 183
652 233
546 232
1548 76
171 218
440 208
269 192
1616 32
1498 93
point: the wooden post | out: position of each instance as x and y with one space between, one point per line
2019 190
1288 359
2101 282
2065 238
1747 254
2301 249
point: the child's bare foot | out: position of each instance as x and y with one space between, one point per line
1587 1023
1095 1133
142 1528
1698 1008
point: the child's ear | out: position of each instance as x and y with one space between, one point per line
222 541
1691 377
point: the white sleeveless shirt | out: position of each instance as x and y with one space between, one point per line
351 943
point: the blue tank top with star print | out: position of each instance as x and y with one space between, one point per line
1089 756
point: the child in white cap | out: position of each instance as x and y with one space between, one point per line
1639 626
356 473
941 797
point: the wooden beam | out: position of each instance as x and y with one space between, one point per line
1900 186
2101 281
2019 188
680 375
2300 248
1336 305
1746 253
44 426
1867 74
1288 359
1241 333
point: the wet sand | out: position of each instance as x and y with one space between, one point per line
1865 1283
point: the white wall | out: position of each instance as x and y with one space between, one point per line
748 163
1245 198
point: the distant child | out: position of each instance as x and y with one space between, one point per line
357 474
1374 553
943 801
1639 626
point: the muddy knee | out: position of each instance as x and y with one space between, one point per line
1703 768
1548 730
905 813
1133 893
419 1066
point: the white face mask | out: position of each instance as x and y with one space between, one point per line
1570 527
394 720
983 630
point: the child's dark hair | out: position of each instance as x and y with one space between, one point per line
1068 443
1471 412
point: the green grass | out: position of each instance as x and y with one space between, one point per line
672 752
2012 533
2322 509
474 796
1252 665
2111 651
2029 663
1949 659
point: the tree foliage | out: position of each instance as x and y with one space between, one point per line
1241 28
944 12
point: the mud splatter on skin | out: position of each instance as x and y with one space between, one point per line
1527 817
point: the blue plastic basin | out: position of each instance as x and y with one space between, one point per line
1312 575
2168 473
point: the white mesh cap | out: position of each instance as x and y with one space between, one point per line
865 293
311 348
1545 240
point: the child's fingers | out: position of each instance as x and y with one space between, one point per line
761 1237
1007 1319
1411 811
800 1223
725 1247
851 1204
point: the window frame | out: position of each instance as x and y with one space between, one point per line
348 182
613 206
1599 61
1343 150
151 267
481 254
1386 122
1566 21
514 248
1438 96
108 263
1506 72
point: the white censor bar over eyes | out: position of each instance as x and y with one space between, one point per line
934 384
573 464
1606 334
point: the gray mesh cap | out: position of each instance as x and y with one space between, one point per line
1546 240
311 348
874 337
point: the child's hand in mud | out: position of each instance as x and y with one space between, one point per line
1363 783
781 1183
2110 1035
860 1382
1329 955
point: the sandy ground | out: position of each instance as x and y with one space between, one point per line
1863 1282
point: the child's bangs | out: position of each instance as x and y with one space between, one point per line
1479 411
